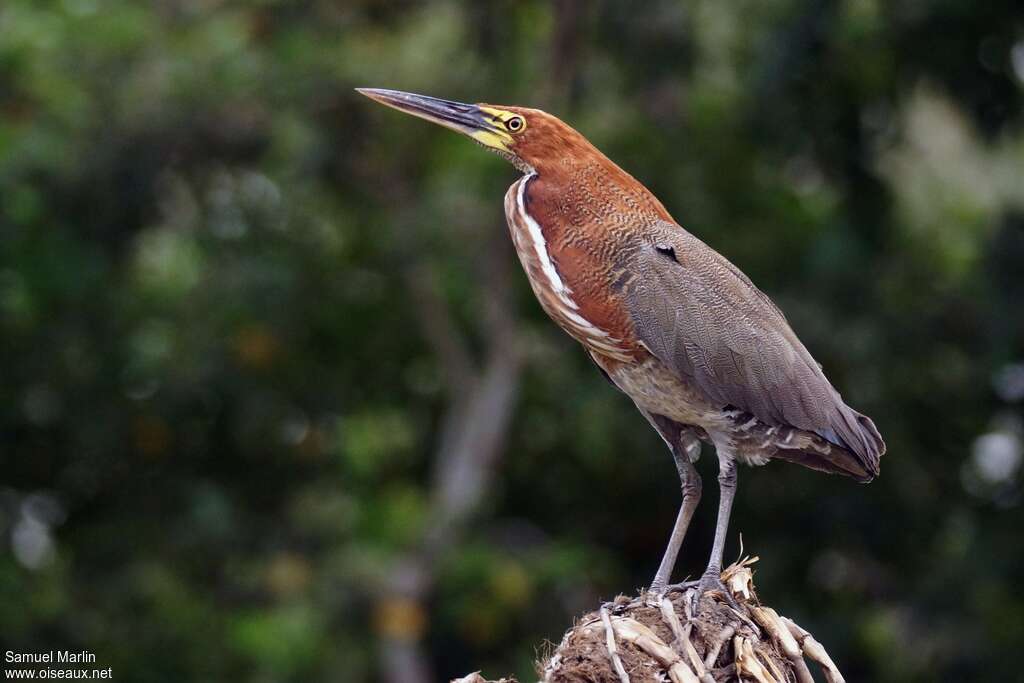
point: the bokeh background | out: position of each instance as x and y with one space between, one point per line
276 403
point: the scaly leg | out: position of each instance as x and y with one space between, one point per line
691 485
712 578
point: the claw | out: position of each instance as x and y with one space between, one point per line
616 606
712 581
679 587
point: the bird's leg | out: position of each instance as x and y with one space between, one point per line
712 578
691 486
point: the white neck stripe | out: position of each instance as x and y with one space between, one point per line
540 246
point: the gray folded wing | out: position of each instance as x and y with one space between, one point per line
697 313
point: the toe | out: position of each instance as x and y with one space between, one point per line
712 583
679 587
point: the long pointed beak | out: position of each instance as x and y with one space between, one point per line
468 119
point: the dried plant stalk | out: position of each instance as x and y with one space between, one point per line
661 637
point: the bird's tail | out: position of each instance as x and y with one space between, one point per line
857 434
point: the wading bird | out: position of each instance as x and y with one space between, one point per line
703 353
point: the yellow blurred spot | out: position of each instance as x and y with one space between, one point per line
288 574
152 436
511 584
399 618
256 346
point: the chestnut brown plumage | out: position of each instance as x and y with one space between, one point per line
704 354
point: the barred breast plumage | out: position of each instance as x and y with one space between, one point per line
551 290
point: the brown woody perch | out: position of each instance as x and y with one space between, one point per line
659 638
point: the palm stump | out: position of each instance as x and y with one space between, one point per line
663 638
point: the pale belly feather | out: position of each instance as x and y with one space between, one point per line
656 389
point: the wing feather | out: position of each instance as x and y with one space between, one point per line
699 314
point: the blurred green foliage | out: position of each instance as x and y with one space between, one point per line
218 411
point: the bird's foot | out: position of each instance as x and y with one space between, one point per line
658 591
681 587
619 604
711 584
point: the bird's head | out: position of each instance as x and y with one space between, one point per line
530 139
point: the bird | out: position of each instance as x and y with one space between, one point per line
705 355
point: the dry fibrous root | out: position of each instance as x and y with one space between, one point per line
658 638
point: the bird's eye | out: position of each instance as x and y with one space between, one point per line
515 124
